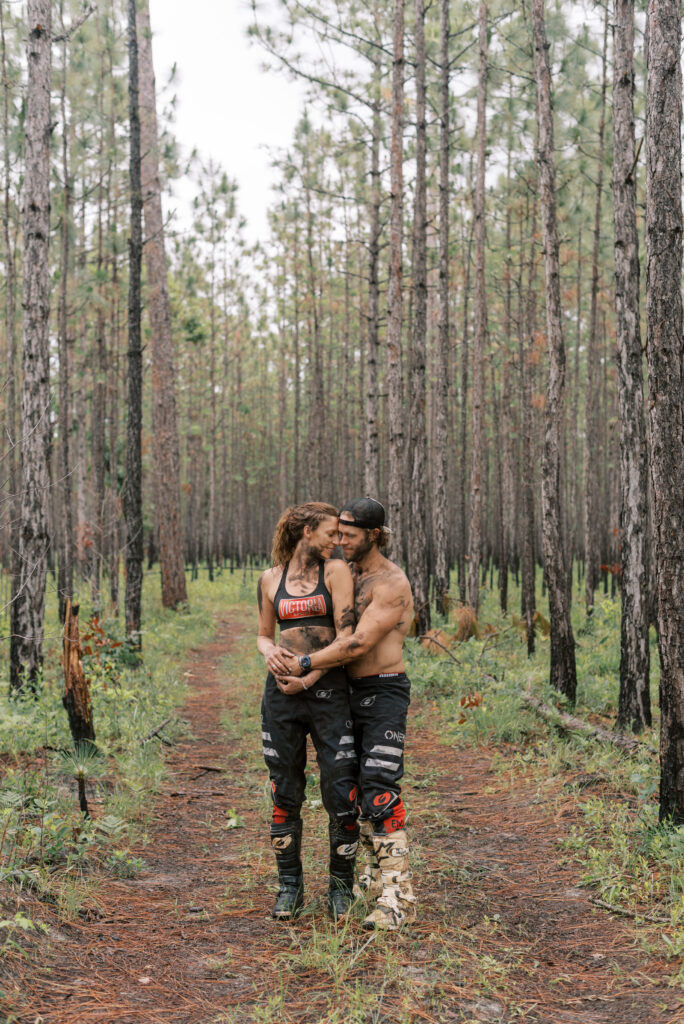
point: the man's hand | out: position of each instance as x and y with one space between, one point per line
292 666
278 662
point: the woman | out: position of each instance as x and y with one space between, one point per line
311 597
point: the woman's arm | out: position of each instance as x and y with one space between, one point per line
267 623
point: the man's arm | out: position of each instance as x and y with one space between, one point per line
341 586
384 612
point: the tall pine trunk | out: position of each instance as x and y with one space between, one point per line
100 363
371 383
26 645
164 416
65 527
592 533
395 437
441 374
463 424
133 485
634 710
665 356
477 515
563 673
417 535
10 327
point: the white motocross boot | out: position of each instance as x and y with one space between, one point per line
396 904
369 882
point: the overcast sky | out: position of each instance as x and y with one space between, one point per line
228 108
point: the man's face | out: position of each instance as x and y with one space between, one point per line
323 538
354 541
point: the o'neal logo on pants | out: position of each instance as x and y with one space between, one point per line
300 607
281 843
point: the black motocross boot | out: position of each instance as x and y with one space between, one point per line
286 840
343 846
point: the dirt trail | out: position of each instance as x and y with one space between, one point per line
503 932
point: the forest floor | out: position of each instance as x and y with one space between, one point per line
504 931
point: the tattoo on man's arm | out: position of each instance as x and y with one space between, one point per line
260 601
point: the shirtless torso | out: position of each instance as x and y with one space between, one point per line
381 593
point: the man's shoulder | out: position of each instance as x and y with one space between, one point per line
394 573
391 581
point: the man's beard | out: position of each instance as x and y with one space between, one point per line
361 550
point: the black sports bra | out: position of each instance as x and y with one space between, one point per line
314 609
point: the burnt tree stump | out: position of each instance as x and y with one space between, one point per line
76 698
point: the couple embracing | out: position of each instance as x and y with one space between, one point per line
337 674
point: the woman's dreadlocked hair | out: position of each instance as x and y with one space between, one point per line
290 527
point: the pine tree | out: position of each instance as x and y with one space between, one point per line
563 672
26 646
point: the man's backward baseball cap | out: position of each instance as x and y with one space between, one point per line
368 514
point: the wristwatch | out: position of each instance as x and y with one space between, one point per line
304 662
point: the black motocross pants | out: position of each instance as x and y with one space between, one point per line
379 706
323 713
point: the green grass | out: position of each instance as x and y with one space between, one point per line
45 842
628 859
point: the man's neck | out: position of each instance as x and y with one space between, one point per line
370 562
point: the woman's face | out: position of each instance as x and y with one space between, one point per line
324 537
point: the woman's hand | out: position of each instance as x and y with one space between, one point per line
278 661
297 684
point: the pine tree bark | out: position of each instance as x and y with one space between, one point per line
480 336
133 485
26 644
574 390
665 356
314 374
100 362
507 496
417 535
395 437
463 455
592 539
371 382
10 328
440 531
114 500
163 378
527 333
634 708
211 509
297 473
563 675
65 566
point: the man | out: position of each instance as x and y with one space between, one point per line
379 698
